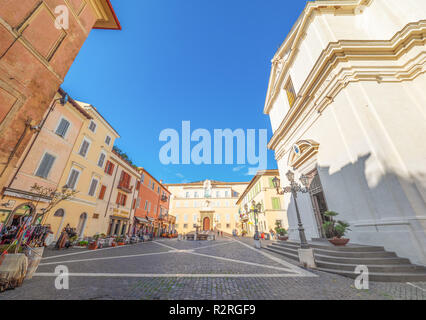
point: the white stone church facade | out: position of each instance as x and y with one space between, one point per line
347 104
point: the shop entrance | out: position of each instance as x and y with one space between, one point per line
18 215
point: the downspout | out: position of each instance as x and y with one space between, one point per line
38 130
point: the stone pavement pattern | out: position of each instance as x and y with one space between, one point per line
172 269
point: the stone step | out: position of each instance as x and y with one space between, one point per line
288 254
355 254
285 249
344 254
393 268
381 277
362 261
347 248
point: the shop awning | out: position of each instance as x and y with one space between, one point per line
141 220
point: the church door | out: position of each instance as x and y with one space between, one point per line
206 224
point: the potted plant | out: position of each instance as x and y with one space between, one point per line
120 241
281 232
335 229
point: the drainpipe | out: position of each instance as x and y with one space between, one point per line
38 130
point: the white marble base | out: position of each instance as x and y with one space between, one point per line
306 258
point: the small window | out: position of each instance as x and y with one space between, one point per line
84 148
109 168
291 94
143 178
62 128
92 126
93 187
72 179
228 226
108 140
101 160
185 226
45 166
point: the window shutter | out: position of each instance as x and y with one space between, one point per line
92 126
108 140
93 186
102 193
101 160
118 198
62 128
45 166
134 203
84 148
73 179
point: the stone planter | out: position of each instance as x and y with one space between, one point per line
283 238
13 269
339 241
34 257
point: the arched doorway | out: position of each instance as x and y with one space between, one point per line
82 225
206 224
319 203
19 213
60 213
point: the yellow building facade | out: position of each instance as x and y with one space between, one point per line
261 190
84 173
210 205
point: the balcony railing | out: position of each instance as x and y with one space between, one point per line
127 189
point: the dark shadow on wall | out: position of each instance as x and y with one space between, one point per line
383 207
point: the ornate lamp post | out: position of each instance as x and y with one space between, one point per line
255 209
294 188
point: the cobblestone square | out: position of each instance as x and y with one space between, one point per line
229 269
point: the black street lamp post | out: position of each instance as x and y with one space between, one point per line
294 188
255 208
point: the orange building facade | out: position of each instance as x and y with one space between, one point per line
152 206
36 53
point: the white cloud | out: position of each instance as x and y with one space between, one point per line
236 169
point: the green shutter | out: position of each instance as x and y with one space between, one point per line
276 205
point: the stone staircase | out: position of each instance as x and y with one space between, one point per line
383 266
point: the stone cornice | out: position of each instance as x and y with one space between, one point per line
344 62
291 43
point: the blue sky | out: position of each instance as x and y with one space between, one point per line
204 61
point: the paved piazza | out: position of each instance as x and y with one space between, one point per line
171 269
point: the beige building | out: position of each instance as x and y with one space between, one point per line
43 161
209 204
261 190
347 104
85 172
